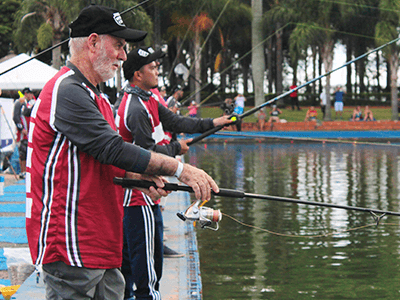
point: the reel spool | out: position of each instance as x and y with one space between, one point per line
204 215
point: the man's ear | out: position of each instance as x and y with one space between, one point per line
93 40
137 75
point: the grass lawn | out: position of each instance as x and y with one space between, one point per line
380 113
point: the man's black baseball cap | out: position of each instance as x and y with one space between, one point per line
26 90
103 20
138 58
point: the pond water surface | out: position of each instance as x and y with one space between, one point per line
325 253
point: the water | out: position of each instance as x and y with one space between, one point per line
238 262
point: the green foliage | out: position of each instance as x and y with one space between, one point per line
44 35
7 9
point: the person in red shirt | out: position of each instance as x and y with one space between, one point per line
293 96
311 114
143 120
74 211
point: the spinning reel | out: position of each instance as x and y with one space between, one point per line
205 215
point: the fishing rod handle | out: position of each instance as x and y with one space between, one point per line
215 129
134 183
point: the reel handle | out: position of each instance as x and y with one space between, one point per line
134 183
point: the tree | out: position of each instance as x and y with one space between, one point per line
257 59
387 30
8 9
43 23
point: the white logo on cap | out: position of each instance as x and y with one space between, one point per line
118 19
143 53
151 50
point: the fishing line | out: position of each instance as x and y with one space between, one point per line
306 236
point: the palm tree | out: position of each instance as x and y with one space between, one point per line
8 9
201 23
43 23
257 59
387 30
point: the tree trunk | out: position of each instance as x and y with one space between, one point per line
257 57
327 58
157 25
378 73
56 52
349 53
245 68
394 65
269 64
314 60
361 74
57 29
388 72
197 67
279 60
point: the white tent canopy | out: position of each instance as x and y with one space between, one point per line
33 74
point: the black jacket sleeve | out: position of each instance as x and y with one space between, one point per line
79 119
141 128
180 124
17 115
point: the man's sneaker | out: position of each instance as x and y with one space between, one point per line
168 252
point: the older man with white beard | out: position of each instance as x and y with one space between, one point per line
74 211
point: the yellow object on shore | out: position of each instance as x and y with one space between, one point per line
8 291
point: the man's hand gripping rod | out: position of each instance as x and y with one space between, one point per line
195 212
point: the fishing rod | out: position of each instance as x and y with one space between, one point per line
215 216
237 118
63 42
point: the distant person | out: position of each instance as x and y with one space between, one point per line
322 97
193 107
227 107
262 116
21 118
311 114
274 114
357 114
159 96
163 92
294 99
339 102
176 96
369 116
239 103
174 106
